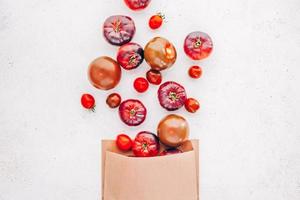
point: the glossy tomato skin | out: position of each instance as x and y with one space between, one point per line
137 4
130 55
113 100
170 152
173 130
141 84
155 21
132 112
124 142
118 29
104 73
160 54
171 95
87 101
154 77
198 45
145 144
191 105
195 72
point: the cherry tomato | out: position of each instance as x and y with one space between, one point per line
141 84
124 142
156 21
195 72
113 100
192 105
145 144
88 101
154 77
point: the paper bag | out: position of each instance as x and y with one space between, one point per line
171 177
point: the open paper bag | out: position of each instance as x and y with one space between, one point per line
171 177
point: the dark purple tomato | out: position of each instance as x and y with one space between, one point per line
130 56
118 29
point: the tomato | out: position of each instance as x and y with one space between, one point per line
156 21
170 152
132 112
137 4
171 95
145 144
198 45
160 54
141 84
113 100
192 105
195 72
124 142
118 29
154 77
173 130
88 101
130 55
104 73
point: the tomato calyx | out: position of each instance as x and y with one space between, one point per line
173 96
198 43
132 59
93 108
132 113
163 16
117 26
144 146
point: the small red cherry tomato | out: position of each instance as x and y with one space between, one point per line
195 72
191 105
113 100
140 84
88 101
124 142
156 21
154 77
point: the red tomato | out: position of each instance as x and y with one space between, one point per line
154 77
195 72
141 84
137 4
145 144
156 21
192 105
124 142
198 45
88 101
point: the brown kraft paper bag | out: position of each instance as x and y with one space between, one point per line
171 177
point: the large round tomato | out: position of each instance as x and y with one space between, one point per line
160 54
118 29
145 144
130 55
132 112
137 4
198 45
